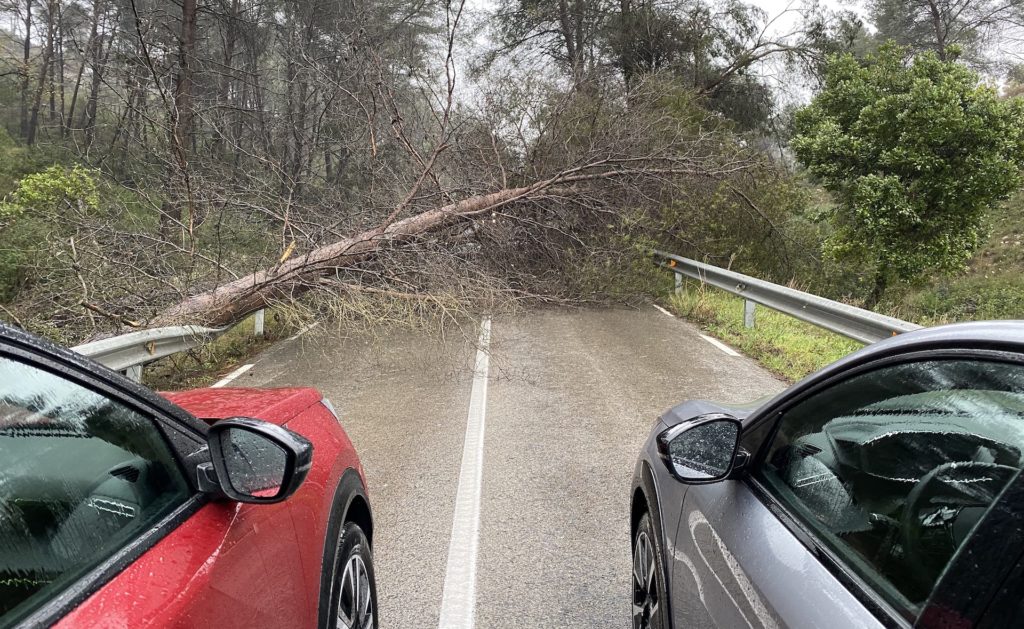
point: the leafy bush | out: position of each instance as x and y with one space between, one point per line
915 154
51 191
36 211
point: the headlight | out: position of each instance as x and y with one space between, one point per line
327 404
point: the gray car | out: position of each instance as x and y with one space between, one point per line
882 491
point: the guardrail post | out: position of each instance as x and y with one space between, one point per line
134 373
748 313
679 283
257 323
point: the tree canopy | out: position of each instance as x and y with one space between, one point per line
914 154
971 30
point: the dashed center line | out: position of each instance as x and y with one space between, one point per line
231 376
458 599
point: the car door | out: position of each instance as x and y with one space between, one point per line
101 522
88 481
859 494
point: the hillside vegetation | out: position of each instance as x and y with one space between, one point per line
992 286
412 162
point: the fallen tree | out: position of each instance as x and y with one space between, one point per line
234 300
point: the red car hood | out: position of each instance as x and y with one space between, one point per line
276 406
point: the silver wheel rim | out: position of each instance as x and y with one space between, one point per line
355 603
645 587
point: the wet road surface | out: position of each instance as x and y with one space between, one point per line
554 413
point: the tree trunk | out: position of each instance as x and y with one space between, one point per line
183 80
60 60
181 123
627 57
224 82
99 63
44 69
569 33
234 300
230 302
878 290
52 45
940 32
25 78
93 33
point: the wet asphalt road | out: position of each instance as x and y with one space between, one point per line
570 397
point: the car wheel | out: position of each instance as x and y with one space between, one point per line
648 579
353 589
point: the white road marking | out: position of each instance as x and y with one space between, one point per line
231 376
720 345
303 330
458 599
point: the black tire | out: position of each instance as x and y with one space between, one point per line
353 585
649 610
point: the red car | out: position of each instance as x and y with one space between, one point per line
213 508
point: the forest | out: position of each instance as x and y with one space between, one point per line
194 161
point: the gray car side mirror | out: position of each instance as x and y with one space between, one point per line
701 450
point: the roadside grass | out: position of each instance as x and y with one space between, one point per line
204 365
785 346
973 297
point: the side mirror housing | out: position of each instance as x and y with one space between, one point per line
702 450
255 461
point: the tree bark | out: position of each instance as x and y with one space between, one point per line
183 80
940 32
225 79
99 64
52 45
878 289
234 300
570 33
627 57
60 60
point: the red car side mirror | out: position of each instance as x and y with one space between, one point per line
254 461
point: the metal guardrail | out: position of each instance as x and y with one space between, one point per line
858 324
128 353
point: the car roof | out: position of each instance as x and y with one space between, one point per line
1005 335
973 333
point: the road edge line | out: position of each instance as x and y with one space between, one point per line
458 597
720 345
226 380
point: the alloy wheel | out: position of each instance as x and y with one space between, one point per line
646 597
355 602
